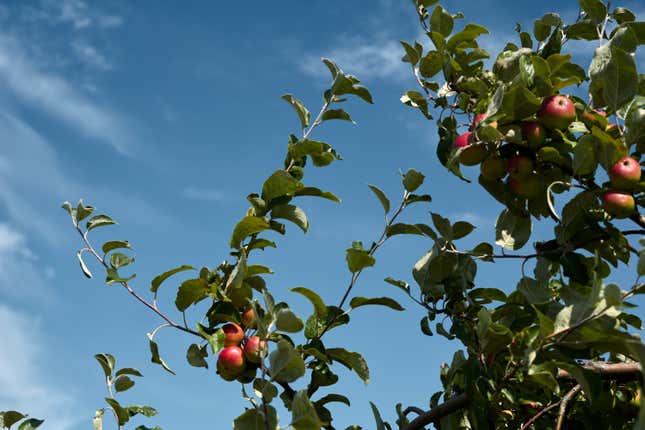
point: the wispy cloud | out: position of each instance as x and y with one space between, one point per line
57 97
195 193
90 55
364 57
24 386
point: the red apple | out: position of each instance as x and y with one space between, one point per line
230 362
594 117
253 348
493 168
625 173
248 318
618 204
233 334
473 153
533 133
557 112
520 166
479 118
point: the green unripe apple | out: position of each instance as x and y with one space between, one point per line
493 168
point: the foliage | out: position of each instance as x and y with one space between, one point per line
558 348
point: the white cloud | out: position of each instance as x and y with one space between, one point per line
90 55
58 98
109 21
195 193
365 58
24 386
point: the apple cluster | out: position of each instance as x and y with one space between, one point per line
515 161
241 355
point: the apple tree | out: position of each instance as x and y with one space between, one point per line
552 139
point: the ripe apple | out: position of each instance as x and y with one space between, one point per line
493 168
528 187
473 153
230 362
233 334
625 173
248 318
533 133
557 112
520 166
253 348
479 118
618 204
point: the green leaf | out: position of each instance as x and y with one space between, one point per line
338 398
400 228
385 202
107 362
352 360
412 180
337 114
315 192
279 184
291 213
303 413
147 411
190 292
158 280
287 321
469 33
512 231
245 228
83 211
595 9
99 221
316 323
286 364
9 418
382 301
118 260
196 355
84 269
155 358
238 274
399 284
442 225
265 390
300 108
622 15
380 425
441 21
319 306
430 64
253 419
123 383
121 413
462 229
142 427
412 55
584 157
358 259
128 371
115 244
30 424
614 77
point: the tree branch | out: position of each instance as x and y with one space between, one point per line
444 409
563 405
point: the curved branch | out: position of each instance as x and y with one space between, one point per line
444 409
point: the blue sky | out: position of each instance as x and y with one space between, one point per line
165 117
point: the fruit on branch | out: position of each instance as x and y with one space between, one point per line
493 168
479 118
557 112
297 172
473 152
520 166
533 133
233 334
527 188
230 363
591 118
253 348
618 204
625 174
248 318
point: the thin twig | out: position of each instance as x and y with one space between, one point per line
563 405
534 418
